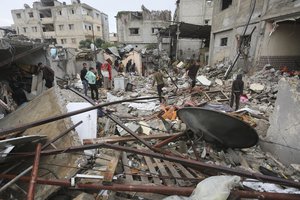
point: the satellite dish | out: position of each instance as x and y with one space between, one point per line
26 6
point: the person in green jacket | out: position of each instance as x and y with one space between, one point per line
91 78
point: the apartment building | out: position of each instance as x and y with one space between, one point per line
59 23
140 28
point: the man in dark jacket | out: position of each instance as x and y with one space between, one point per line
48 74
237 91
192 72
83 80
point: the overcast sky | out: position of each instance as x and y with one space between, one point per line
110 7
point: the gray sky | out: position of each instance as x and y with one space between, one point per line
110 7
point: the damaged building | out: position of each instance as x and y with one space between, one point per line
140 28
59 23
195 13
255 33
190 143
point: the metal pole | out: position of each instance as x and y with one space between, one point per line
121 124
166 190
34 173
186 162
62 116
61 135
29 168
177 38
168 140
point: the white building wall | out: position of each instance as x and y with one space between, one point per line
75 15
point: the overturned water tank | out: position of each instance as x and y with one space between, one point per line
217 127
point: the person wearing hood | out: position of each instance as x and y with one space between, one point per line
237 91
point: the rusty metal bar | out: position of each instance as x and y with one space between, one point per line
119 123
34 172
130 132
22 127
116 139
44 146
61 135
166 190
168 140
186 162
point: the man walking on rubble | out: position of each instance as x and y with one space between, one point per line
159 79
48 74
83 80
192 72
237 91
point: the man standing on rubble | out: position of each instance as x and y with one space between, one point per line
192 72
83 80
91 78
48 74
159 79
237 91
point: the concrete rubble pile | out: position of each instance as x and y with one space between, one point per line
128 145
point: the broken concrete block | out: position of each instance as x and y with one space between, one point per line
203 80
84 196
132 126
145 128
256 87
219 82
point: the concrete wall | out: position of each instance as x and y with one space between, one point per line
284 123
195 12
284 41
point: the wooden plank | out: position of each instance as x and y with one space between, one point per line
111 168
175 173
163 172
127 170
184 171
152 170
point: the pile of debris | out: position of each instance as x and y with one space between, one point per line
129 146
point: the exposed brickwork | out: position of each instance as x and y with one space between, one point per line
292 62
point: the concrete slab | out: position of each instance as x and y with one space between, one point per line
49 103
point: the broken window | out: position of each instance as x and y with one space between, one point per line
224 42
61 27
18 15
226 4
45 13
90 28
34 29
206 22
24 29
73 11
30 14
63 41
48 27
59 12
71 26
134 31
98 28
73 40
155 30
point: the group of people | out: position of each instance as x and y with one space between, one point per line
96 77
192 70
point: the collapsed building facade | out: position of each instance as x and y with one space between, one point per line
196 13
261 32
58 23
140 28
